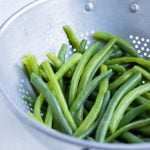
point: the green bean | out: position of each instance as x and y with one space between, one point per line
105 104
125 46
31 64
52 101
114 85
59 95
88 131
86 91
32 116
72 38
35 66
131 138
49 117
67 65
144 72
133 125
144 130
79 117
43 74
126 87
66 86
122 79
124 103
133 113
27 65
95 124
37 107
62 52
79 69
141 100
62 56
57 62
56 125
92 115
123 60
102 61
117 68
94 64
116 54
83 45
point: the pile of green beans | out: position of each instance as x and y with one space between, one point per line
97 94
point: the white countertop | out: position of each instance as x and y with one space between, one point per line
13 136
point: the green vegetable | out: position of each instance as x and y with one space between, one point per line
124 103
74 97
117 54
62 52
72 38
133 113
133 125
92 115
131 138
54 85
94 64
144 72
49 117
52 101
85 92
126 87
124 45
67 65
117 68
57 62
141 100
123 60
120 80
83 45
79 69
37 107
95 124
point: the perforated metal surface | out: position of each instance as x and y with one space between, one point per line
141 44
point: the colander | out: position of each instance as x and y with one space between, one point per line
37 28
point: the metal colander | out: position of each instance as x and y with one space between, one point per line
37 28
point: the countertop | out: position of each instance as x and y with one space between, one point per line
13 136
